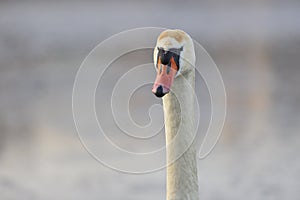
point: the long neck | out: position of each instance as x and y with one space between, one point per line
182 179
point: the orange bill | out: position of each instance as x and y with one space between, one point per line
164 78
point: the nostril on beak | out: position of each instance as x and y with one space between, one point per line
159 91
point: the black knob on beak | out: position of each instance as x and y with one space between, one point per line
159 91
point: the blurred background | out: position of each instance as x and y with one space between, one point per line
255 44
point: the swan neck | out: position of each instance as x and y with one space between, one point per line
182 179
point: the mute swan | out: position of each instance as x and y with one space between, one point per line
174 59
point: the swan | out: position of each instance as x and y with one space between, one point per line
174 60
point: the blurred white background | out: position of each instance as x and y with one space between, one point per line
256 45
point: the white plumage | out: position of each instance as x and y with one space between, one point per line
178 104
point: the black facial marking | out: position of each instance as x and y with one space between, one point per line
166 55
157 58
160 69
168 68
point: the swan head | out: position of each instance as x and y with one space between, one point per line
173 56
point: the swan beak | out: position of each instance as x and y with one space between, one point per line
164 78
